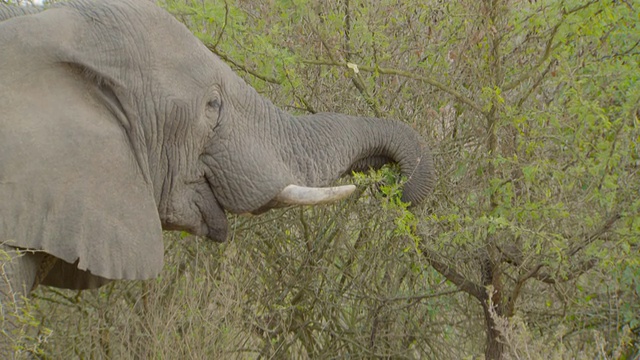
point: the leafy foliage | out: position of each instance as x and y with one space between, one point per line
20 329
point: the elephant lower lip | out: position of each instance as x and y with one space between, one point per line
215 226
171 227
217 232
204 230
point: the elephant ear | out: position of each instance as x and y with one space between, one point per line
72 182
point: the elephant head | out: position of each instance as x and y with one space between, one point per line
116 123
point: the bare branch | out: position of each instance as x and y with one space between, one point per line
359 84
415 298
536 83
224 26
545 55
596 235
539 274
624 53
456 278
356 79
581 7
403 73
576 271
224 57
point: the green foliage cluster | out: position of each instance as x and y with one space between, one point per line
20 328
529 247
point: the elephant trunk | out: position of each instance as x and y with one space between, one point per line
278 159
327 146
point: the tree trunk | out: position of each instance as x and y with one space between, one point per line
492 303
494 348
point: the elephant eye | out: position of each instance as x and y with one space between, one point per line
213 104
213 109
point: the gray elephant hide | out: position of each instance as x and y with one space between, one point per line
71 183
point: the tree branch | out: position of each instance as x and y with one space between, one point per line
536 83
537 272
224 27
593 237
545 55
456 278
387 71
224 57
356 79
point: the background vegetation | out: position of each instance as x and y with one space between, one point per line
528 249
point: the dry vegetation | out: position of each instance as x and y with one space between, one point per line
528 249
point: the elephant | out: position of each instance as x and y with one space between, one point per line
7 11
117 123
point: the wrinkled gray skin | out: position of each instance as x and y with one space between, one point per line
116 123
7 11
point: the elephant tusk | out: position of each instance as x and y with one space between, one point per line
301 195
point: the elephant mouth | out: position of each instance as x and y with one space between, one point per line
213 212
216 226
214 220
